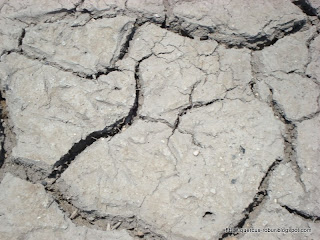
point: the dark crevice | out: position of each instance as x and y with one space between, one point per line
3 115
257 200
308 117
186 29
259 42
125 47
306 7
252 85
150 119
63 10
45 61
98 74
194 105
89 218
185 33
123 51
290 139
302 214
109 131
23 34
264 181
164 23
93 219
86 11
26 170
191 30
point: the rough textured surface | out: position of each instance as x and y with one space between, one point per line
226 16
28 212
34 8
86 49
153 119
306 195
314 65
155 172
52 109
273 217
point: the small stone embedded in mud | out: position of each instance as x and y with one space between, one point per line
196 152
139 234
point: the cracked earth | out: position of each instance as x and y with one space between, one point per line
174 119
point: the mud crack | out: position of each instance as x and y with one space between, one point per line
258 199
109 131
290 140
106 222
3 115
306 7
302 214
204 33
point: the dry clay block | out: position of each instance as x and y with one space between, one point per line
28 212
223 102
52 109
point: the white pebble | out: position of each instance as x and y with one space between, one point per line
212 190
196 153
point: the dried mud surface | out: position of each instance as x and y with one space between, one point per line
151 119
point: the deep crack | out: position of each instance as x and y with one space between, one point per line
93 219
126 45
89 218
3 115
290 140
302 214
23 34
305 6
109 131
258 199
191 30
257 42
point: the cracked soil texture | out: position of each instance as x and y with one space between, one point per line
151 119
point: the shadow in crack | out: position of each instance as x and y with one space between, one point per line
3 115
61 165
257 200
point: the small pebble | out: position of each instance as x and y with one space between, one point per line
139 234
196 153
213 191
116 226
108 227
74 214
